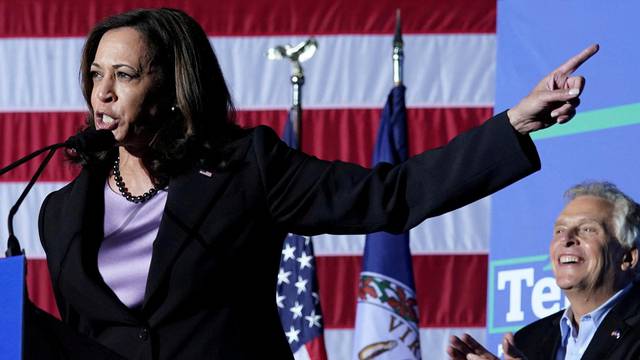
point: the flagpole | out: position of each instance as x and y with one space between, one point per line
297 296
387 317
398 52
296 54
295 113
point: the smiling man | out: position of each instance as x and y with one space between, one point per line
594 253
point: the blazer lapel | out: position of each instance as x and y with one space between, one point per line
189 199
80 239
550 341
74 210
622 318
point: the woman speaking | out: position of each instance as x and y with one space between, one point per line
168 246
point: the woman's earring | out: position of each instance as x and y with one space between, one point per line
175 108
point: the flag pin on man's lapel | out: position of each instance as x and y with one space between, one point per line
615 334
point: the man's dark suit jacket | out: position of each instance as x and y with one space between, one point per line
617 337
210 293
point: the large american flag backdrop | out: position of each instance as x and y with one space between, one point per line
450 52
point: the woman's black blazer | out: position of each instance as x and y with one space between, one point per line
211 285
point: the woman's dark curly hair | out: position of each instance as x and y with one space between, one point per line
203 119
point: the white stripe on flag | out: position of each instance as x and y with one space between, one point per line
25 223
302 354
462 231
42 74
465 230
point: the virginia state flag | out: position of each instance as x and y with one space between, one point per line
297 291
387 311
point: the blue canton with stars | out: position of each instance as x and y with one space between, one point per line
297 295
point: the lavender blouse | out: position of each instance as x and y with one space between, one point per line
125 253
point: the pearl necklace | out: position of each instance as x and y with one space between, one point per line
123 189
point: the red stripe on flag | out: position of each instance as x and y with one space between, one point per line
316 348
39 286
451 290
332 134
438 281
45 18
23 133
438 285
350 134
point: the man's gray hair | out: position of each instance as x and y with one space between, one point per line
626 212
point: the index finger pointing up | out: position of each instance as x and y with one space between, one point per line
572 64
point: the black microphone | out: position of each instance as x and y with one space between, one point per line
86 141
91 140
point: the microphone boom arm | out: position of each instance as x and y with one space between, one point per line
89 140
29 157
13 245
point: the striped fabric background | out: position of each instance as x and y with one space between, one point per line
450 52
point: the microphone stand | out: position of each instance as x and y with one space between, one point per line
23 160
87 140
13 245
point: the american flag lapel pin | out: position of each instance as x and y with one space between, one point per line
206 173
615 334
